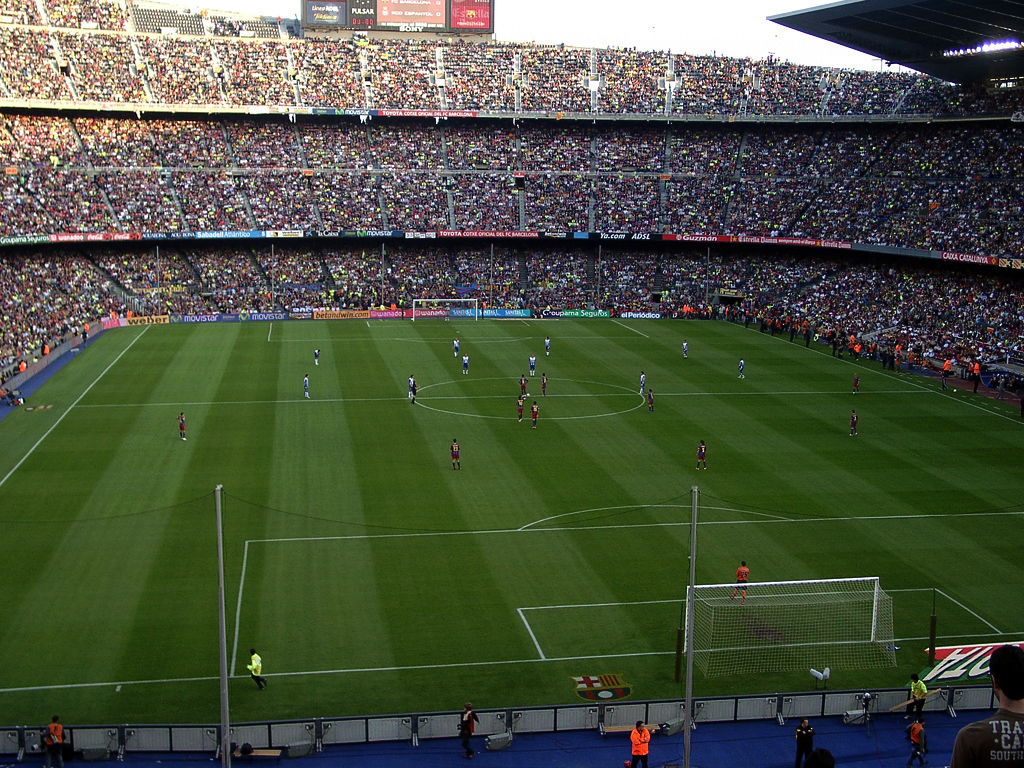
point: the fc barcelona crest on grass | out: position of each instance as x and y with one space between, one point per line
601 687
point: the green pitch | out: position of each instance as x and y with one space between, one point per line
374 578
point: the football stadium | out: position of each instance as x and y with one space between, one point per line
360 365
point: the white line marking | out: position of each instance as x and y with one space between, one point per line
903 377
647 506
532 636
634 330
59 420
677 601
269 331
402 398
527 529
238 609
415 667
989 624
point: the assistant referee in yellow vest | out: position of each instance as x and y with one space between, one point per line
255 668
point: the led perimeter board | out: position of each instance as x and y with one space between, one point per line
400 15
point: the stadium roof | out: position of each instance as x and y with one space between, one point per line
917 33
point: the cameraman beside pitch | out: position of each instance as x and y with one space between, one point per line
999 740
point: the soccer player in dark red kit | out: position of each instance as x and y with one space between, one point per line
650 401
543 385
181 425
702 452
456 464
522 385
519 406
534 411
853 423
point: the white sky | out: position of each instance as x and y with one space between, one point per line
727 27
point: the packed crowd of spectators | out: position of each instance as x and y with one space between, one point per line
349 201
357 275
954 189
560 280
45 298
934 312
102 67
212 202
101 14
195 68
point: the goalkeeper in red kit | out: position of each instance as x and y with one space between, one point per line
742 574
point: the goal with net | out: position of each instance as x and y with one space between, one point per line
792 625
471 307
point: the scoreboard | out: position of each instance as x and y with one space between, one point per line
401 15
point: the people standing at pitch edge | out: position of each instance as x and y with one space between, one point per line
918 694
742 575
918 742
686 349
640 739
53 741
467 724
255 667
997 740
804 741
742 374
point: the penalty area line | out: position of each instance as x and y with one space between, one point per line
70 407
533 637
634 330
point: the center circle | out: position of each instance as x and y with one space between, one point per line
495 398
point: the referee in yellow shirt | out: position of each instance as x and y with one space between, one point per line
255 668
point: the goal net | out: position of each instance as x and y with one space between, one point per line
785 626
454 307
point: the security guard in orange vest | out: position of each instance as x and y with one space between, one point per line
641 739
53 737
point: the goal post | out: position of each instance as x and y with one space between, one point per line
471 304
786 626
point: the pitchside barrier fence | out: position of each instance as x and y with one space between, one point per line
297 738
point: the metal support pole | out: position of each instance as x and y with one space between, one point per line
689 628
225 724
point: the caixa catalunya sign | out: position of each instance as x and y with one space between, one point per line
962 662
